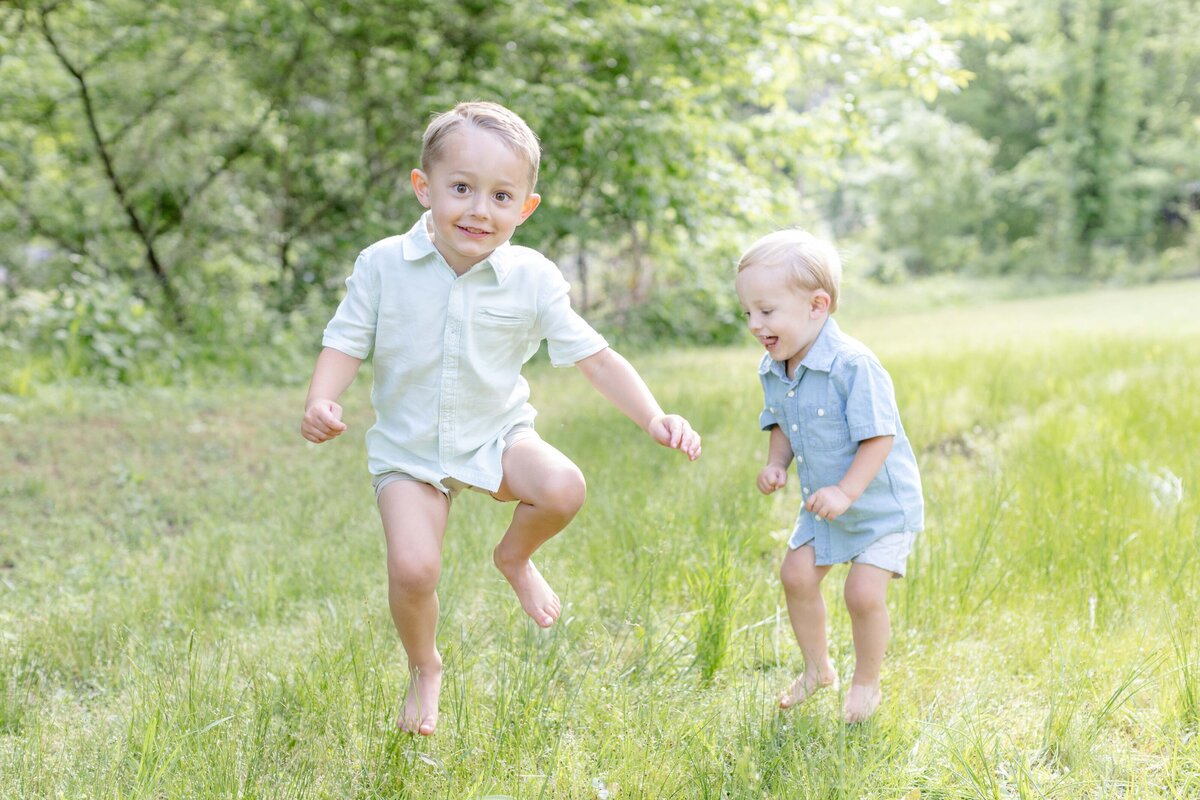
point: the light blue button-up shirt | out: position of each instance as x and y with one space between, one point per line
840 396
448 351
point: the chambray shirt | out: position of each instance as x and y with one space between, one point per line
449 350
840 396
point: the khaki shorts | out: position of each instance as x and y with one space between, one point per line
451 487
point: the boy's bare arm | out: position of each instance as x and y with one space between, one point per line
779 455
322 415
830 502
620 383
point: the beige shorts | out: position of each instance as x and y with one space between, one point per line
890 552
451 487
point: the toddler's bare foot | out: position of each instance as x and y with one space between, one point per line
537 598
809 683
420 713
861 703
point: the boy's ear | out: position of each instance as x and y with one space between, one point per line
530 205
821 301
420 185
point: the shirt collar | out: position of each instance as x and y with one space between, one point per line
824 350
819 357
418 245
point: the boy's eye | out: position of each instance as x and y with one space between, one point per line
503 196
459 188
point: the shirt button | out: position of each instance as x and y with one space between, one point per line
794 428
820 412
772 409
799 459
791 394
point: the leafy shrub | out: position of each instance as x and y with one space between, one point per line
699 313
90 327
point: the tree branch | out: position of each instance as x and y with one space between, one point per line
235 150
118 187
155 102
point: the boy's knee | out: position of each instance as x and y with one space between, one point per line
562 492
862 599
798 577
414 575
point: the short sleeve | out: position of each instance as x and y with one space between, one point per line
766 419
870 399
569 338
352 329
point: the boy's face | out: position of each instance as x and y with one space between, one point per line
785 318
479 193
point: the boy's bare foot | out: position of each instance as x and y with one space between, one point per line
808 684
537 598
861 703
420 712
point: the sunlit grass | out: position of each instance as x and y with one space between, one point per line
192 599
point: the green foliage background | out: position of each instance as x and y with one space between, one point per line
184 186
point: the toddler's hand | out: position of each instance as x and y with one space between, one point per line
772 477
322 421
672 430
828 502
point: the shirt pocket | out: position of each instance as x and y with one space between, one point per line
500 340
503 318
824 428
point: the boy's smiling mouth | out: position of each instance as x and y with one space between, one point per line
473 231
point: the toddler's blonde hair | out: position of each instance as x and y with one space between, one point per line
492 117
811 263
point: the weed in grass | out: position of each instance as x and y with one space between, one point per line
975 759
15 696
1186 672
714 593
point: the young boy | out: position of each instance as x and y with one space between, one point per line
830 407
452 311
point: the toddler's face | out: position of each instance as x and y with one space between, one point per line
478 192
785 318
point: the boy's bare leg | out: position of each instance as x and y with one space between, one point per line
806 609
549 489
414 524
866 600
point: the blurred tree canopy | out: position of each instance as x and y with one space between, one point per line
189 183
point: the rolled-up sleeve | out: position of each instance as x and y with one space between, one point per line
569 338
870 399
352 329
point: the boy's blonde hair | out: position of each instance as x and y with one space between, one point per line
811 263
492 117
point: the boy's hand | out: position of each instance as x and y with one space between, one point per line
322 421
772 477
672 430
828 502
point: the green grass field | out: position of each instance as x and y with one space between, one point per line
192 599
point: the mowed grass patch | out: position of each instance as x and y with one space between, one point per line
192 599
